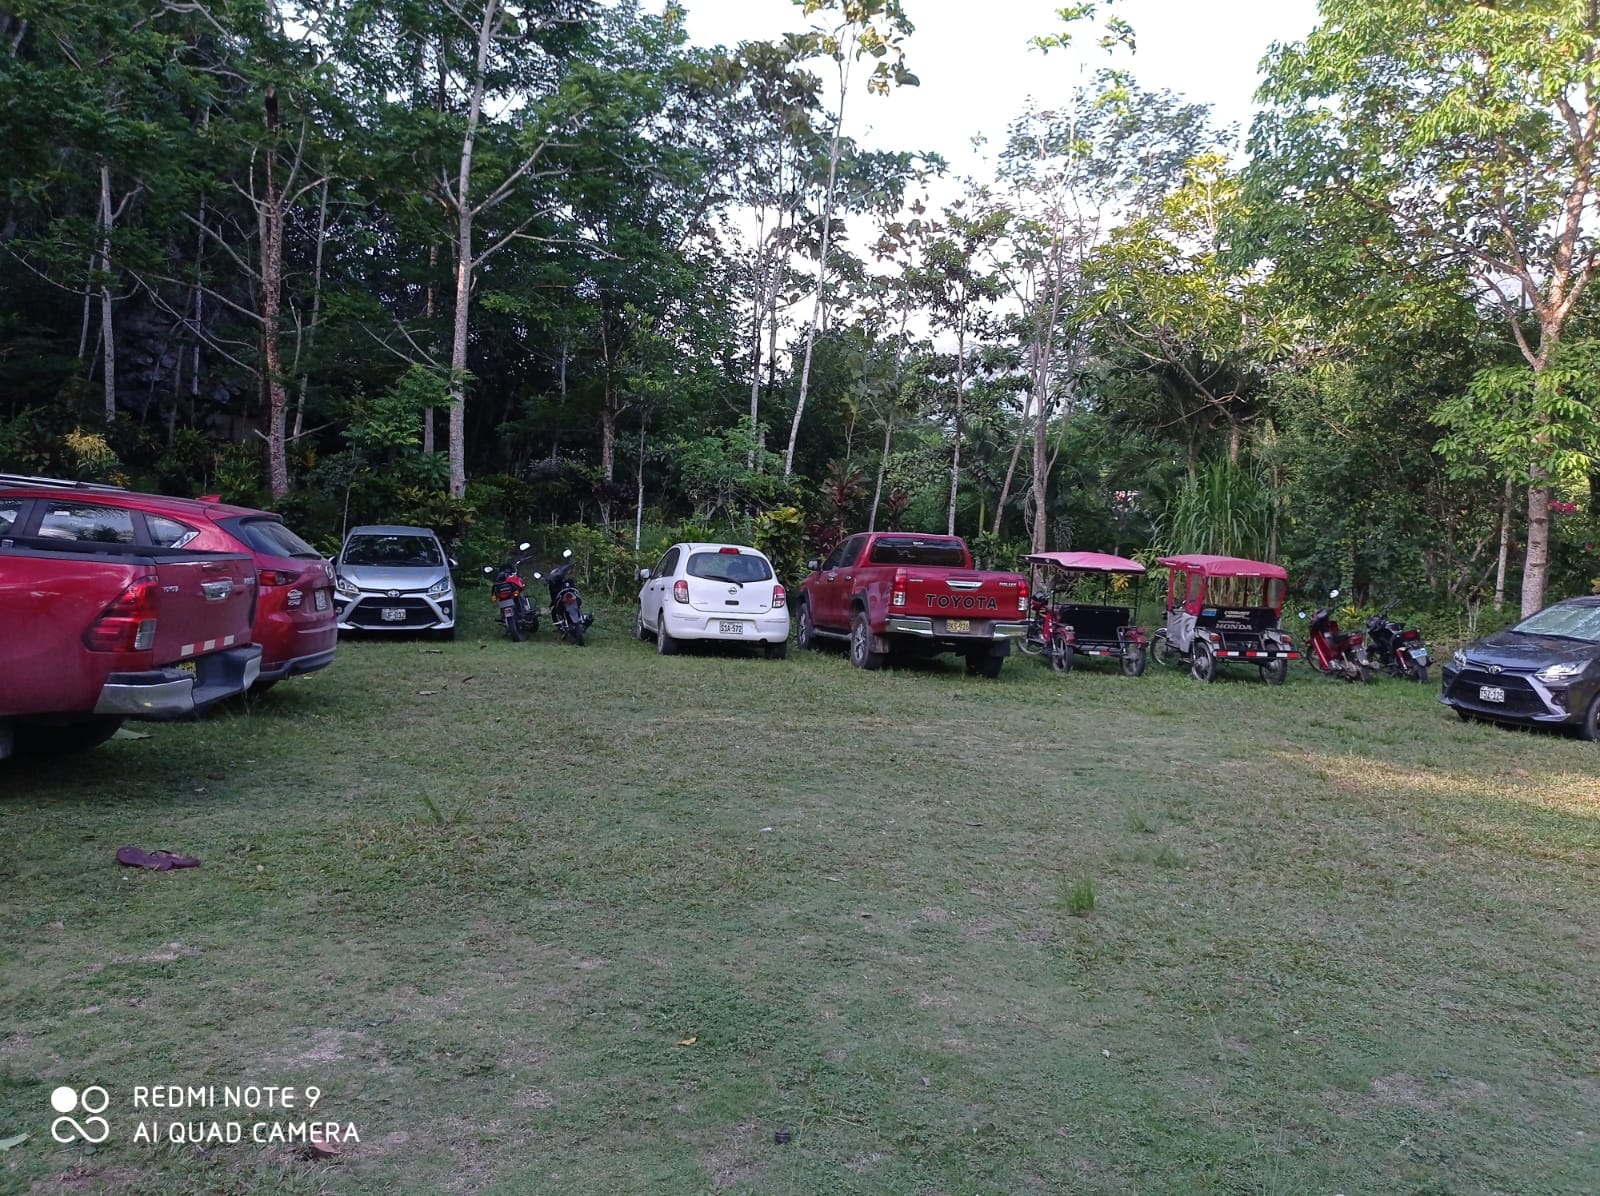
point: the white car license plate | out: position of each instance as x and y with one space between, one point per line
730 627
1491 693
319 600
955 625
394 614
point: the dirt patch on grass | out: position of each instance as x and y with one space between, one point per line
86 1177
1402 1089
734 1160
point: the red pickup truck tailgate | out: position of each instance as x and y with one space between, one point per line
956 593
205 606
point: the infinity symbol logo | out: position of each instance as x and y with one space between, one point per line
91 1100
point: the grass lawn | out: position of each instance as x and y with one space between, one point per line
542 919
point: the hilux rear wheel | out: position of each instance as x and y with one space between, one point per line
861 653
43 739
983 663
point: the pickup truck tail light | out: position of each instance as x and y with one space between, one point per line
1022 599
897 594
680 591
128 624
779 598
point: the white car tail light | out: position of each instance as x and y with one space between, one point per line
779 598
680 591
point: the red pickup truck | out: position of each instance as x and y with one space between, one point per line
918 595
94 630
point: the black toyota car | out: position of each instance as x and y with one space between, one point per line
1546 669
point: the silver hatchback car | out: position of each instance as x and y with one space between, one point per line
394 578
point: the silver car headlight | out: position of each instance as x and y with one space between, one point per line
440 588
345 586
1559 672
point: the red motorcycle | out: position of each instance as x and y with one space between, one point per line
1334 652
510 593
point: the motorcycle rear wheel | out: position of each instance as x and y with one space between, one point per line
1417 672
514 628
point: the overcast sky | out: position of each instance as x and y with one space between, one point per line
977 70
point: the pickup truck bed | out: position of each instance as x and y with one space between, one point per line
92 633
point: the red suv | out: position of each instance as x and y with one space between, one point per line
295 613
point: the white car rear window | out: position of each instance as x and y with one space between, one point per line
726 566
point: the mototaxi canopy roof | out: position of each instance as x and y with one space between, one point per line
1088 562
1225 566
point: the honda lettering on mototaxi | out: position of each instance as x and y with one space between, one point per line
206 1114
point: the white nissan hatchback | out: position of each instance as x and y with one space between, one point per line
722 592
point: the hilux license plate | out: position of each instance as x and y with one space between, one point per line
1491 693
394 614
954 625
730 627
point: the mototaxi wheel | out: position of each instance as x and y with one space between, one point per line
1133 661
1161 650
1275 672
1202 662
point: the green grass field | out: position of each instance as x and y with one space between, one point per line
546 920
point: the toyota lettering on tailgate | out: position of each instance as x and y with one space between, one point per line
962 602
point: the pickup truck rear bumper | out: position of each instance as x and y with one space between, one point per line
173 693
298 666
914 625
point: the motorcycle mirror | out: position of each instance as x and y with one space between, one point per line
537 576
1302 614
487 569
524 546
454 564
1333 593
566 553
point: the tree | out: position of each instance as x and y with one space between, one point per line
866 28
1471 129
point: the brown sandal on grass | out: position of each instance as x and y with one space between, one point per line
157 861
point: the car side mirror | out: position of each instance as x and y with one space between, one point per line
644 575
565 553
813 565
524 546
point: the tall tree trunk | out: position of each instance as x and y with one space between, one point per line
638 501
1537 566
961 380
107 332
464 260
1505 546
822 270
316 309
427 412
270 220
758 305
1011 469
883 465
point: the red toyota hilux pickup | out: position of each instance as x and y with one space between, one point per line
917 595
95 629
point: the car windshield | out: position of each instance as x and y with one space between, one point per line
1573 621
271 538
393 552
914 550
727 566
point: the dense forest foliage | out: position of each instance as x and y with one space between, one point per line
496 266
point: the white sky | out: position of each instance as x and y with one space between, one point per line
977 69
